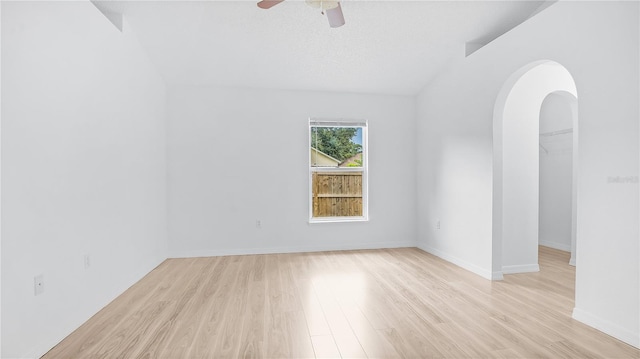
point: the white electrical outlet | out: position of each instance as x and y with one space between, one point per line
87 261
38 284
258 223
438 224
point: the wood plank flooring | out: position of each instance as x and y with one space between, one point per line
392 303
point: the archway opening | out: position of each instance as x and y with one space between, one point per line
516 163
557 190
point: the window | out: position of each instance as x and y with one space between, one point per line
337 170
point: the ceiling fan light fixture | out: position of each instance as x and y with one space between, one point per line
268 4
332 9
335 16
323 4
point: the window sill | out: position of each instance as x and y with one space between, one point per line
338 220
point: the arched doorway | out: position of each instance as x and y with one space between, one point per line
516 163
557 196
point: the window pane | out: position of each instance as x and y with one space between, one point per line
337 194
336 146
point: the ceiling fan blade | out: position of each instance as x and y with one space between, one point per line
267 4
335 16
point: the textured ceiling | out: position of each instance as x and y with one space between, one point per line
389 47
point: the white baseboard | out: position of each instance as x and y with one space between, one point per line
521 268
555 245
607 327
487 274
276 250
572 261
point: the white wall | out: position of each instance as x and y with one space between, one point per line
453 175
555 174
222 175
598 43
83 169
0 184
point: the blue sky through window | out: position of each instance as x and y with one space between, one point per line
358 137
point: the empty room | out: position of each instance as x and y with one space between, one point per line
319 179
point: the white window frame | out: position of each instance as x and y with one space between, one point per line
318 122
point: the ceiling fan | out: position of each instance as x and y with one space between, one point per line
331 7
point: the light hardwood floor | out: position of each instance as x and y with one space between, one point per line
372 303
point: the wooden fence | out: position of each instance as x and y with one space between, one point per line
337 194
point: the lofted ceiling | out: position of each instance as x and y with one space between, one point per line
387 47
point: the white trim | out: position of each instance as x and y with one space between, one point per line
463 264
294 249
337 169
555 245
521 268
332 122
497 275
337 219
607 327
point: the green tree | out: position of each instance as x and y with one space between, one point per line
335 141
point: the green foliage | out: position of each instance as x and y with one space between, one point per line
357 163
335 141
